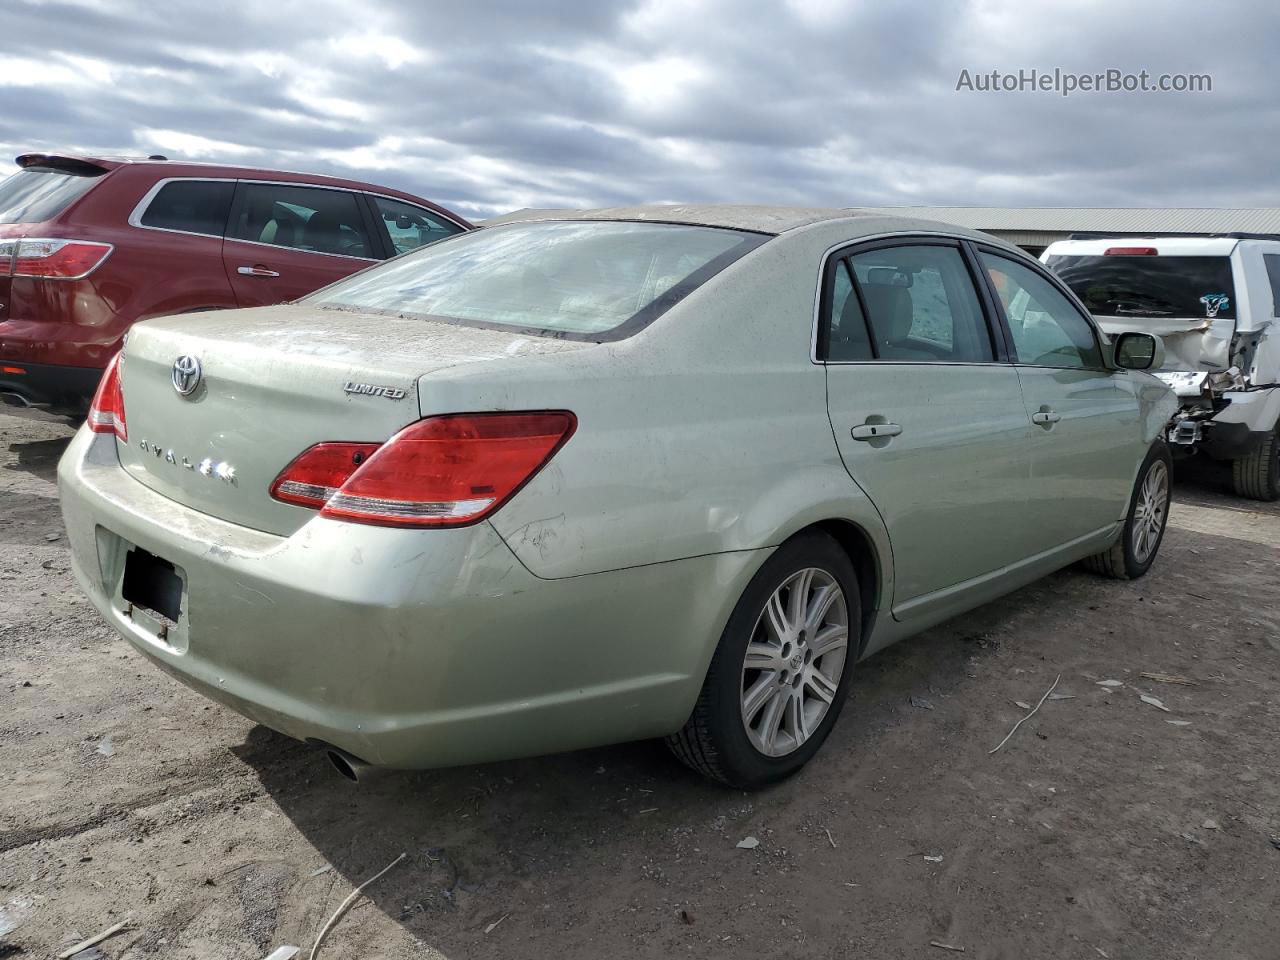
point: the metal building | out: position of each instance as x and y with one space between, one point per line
1034 228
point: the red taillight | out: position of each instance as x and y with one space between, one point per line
58 259
106 413
15 371
444 471
318 472
1131 252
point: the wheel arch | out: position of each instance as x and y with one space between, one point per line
868 563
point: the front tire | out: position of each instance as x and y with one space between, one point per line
779 676
1132 555
1257 476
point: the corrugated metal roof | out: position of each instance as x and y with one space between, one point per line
1101 219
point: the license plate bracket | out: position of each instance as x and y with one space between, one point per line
152 583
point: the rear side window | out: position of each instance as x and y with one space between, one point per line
1047 330
847 336
192 206
410 227
1272 261
37 194
921 305
311 219
1150 286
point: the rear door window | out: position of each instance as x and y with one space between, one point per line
36 194
311 219
191 206
848 339
921 305
409 226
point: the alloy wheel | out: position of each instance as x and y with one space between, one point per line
794 662
1150 512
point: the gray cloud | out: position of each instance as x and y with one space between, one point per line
497 104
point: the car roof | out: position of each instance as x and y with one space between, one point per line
759 219
190 168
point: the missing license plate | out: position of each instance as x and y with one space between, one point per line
153 584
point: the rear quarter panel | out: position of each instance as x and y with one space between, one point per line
704 433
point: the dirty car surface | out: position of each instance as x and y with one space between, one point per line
633 473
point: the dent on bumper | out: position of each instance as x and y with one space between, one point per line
405 648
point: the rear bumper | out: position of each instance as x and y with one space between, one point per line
405 648
61 388
1238 428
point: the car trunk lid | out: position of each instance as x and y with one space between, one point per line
273 381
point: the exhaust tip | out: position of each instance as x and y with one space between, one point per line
15 400
344 766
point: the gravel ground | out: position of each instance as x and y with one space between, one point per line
1106 827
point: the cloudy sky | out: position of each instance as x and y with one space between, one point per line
492 105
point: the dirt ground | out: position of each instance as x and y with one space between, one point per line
1105 828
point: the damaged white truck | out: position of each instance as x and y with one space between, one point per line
1214 301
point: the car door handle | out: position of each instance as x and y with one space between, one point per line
257 270
874 431
1045 418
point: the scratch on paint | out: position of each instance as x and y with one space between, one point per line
245 586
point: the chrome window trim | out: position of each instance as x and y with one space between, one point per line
135 216
312 253
371 193
817 305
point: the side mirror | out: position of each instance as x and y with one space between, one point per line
1139 351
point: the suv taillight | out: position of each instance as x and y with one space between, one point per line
446 471
54 259
106 413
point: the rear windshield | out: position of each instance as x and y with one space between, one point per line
37 194
1150 286
583 280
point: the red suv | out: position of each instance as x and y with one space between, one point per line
90 245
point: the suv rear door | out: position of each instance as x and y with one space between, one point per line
285 240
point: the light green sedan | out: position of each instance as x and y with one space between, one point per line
599 476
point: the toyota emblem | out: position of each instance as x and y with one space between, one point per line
186 375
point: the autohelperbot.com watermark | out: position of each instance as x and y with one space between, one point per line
1066 82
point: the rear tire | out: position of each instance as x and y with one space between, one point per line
780 674
1257 476
1132 555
